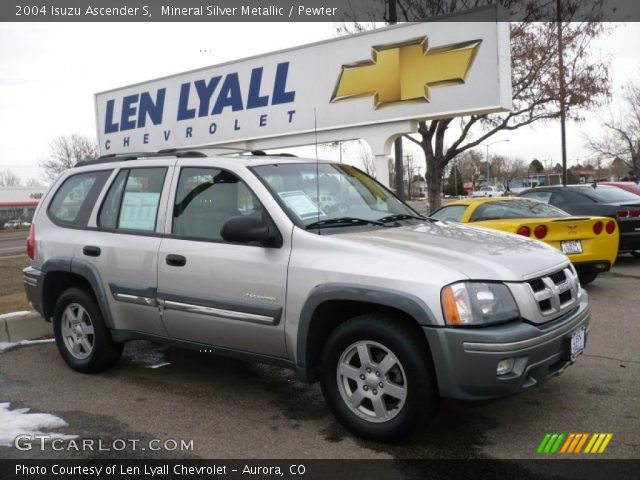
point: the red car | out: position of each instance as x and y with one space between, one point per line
632 187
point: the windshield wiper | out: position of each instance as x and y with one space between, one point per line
343 222
401 216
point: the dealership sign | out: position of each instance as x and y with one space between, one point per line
405 72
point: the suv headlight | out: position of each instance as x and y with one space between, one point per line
477 303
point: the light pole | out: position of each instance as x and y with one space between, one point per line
488 145
397 144
563 108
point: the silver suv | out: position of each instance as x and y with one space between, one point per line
386 308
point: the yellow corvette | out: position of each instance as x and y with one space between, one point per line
591 243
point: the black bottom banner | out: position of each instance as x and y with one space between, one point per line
318 469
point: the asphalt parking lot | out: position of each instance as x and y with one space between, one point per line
232 409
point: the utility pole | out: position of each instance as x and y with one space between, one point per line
455 176
563 131
397 145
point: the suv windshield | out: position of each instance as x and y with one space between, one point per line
332 194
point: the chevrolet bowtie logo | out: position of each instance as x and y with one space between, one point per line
404 72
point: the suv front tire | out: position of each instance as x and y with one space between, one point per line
377 377
81 334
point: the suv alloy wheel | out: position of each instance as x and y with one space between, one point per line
81 334
377 377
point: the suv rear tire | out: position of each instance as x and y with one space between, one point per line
81 334
377 377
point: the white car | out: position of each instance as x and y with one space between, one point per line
488 192
12 224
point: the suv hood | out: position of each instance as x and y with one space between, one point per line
477 253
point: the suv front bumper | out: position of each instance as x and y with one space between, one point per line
466 359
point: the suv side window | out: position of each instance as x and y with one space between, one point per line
133 199
73 202
208 197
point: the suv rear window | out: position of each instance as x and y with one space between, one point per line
72 203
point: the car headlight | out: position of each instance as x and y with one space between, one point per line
478 303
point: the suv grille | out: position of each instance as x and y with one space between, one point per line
555 293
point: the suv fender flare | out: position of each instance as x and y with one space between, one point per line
88 272
405 302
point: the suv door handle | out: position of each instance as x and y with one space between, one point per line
176 260
91 251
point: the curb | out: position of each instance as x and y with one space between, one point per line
18 326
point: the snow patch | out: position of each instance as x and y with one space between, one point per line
159 365
141 353
20 422
21 313
4 346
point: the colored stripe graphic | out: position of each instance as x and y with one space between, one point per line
543 443
572 443
551 442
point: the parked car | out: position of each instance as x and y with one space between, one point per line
632 187
597 200
488 191
12 224
591 243
386 308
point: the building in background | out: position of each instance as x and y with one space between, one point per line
19 203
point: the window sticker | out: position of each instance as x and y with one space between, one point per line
139 210
301 204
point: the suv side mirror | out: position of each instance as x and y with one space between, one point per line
246 229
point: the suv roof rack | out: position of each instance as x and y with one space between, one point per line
177 152
262 153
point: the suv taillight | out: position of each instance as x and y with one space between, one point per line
31 243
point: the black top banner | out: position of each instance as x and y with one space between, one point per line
314 10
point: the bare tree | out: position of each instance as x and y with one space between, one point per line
535 85
32 182
618 168
622 139
9 179
366 158
470 164
512 167
66 151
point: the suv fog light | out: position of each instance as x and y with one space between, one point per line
505 366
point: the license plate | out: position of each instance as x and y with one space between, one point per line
577 343
571 246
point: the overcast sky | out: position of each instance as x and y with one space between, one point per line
49 73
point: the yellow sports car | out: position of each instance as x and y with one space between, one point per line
591 243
